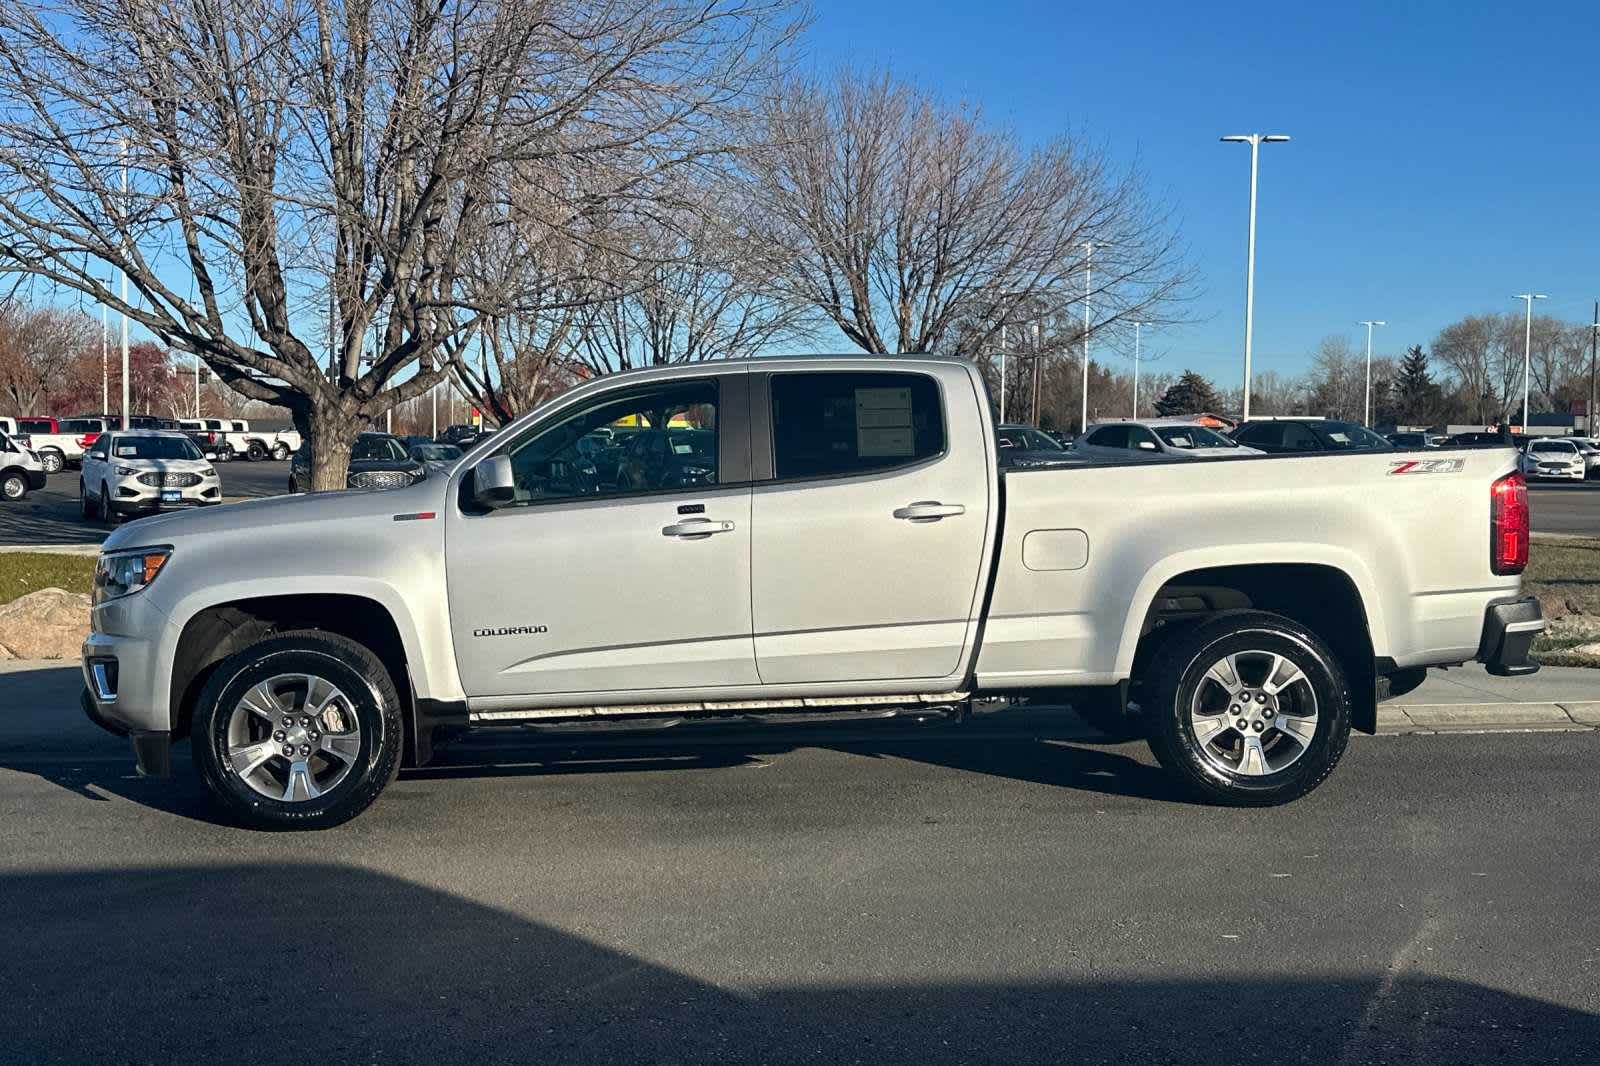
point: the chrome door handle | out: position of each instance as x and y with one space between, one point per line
696 528
928 511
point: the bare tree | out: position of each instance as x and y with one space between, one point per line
900 218
1484 353
304 161
39 348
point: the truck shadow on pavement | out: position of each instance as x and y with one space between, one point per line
296 961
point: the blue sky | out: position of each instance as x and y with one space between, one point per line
1445 155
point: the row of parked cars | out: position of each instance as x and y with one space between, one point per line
1548 458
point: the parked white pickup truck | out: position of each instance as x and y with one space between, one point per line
223 439
59 441
796 535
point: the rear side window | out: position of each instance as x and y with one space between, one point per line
1298 438
831 424
34 425
1266 434
1111 437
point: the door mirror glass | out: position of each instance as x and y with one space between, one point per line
492 483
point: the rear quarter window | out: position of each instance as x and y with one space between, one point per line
830 423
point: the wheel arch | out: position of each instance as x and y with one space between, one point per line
1327 598
215 631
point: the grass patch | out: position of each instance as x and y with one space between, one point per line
1565 575
25 572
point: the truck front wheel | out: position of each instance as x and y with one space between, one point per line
301 730
1248 708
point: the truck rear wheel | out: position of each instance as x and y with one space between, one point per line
1248 708
255 451
301 730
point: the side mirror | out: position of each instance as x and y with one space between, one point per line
492 482
1146 446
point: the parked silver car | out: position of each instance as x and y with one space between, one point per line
1173 438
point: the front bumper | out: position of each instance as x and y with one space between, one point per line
132 497
36 479
1509 627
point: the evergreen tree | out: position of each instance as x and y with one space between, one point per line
1191 394
1417 397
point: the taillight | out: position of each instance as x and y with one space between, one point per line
1508 525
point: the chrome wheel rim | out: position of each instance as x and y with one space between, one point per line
293 737
1254 713
13 488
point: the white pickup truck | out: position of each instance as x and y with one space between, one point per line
801 535
222 439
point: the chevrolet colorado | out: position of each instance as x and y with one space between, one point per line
801 535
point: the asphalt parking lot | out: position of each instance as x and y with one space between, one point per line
984 892
50 517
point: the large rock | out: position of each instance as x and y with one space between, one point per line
48 624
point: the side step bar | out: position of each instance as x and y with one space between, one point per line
786 710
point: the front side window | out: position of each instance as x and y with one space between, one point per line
1350 436
1193 437
1298 438
1111 437
833 423
1143 439
655 438
35 425
82 425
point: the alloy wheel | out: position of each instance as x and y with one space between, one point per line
293 737
1254 713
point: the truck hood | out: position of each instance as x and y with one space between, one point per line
331 514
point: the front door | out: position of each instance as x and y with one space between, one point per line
609 573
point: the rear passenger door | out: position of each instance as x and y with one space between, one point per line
870 529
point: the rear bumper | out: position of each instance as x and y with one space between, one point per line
1509 627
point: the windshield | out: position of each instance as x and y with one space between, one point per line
435 453
1193 437
368 449
155 448
1029 439
1349 436
1553 446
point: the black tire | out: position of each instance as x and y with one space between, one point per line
280 451
84 506
52 461
256 451
13 486
350 666
107 514
224 453
1179 669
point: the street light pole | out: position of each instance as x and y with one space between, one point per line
1527 350
1255 141
1088 261
124 143
1137 326
1005 335
105 367
1366 419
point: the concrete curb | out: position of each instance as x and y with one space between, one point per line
52 549
1487 717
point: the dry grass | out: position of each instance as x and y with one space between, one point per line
1565 575
25 572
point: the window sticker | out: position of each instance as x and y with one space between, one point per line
1340 437
127 451
883 423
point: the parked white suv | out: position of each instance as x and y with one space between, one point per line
144 471
20 469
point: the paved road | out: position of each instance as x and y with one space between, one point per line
831 895
1566 507
51 516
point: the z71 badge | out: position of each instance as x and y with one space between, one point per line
1426 466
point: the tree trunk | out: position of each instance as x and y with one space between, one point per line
332 434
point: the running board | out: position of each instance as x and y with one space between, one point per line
914 702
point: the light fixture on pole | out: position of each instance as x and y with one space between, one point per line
1137 326
1088 262
1366 419
1527 350
1255 141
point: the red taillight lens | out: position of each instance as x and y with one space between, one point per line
1508 525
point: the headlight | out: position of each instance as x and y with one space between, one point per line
124 573
208 472
127 471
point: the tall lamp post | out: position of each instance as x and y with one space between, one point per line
1366 419
1005 335
124 144
1255 141
1527 349
1137 326
1088 262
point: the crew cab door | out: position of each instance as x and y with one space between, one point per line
583 584
872 527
